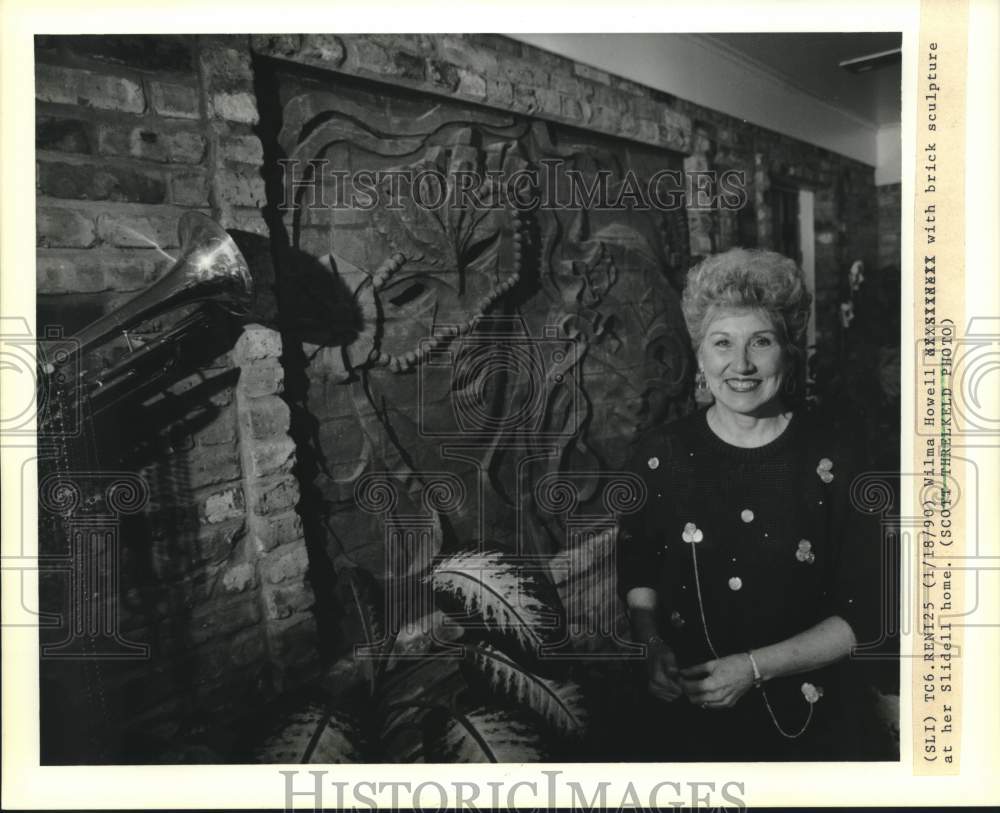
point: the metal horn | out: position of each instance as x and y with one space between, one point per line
210 268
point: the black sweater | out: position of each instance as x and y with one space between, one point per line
771 538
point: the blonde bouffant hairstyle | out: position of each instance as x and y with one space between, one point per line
750 279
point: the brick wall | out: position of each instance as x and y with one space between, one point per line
131 132
496 71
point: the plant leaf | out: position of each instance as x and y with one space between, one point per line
409 693
421 638
501 594
484 735
560 704
428 682
367 600
312 735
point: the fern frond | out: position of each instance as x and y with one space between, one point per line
312 735
559 704
367 600
485 735
588 586
409 691
500 593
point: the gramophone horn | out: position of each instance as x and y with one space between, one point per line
210 268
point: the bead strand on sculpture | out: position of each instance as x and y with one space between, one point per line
406 362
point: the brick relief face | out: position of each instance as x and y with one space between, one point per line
492 343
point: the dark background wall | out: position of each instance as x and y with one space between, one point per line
231 574
889 224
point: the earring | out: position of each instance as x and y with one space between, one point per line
702 394
700 382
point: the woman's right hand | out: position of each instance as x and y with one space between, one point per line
661 665
664 676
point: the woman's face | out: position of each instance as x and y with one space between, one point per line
744 361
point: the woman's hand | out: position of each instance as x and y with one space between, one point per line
663 672
718 684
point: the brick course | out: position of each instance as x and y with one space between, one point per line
174 101
88 89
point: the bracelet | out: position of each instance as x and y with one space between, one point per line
758 679
654 640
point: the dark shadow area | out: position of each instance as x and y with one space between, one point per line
141 422
313 306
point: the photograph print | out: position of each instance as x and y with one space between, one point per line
468 397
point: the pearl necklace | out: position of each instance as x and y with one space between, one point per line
715 654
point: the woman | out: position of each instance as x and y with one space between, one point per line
748 574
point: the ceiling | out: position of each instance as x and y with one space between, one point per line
810 62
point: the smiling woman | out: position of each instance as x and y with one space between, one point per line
743 364
748 574
747 313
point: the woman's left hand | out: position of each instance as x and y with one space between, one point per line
718 684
